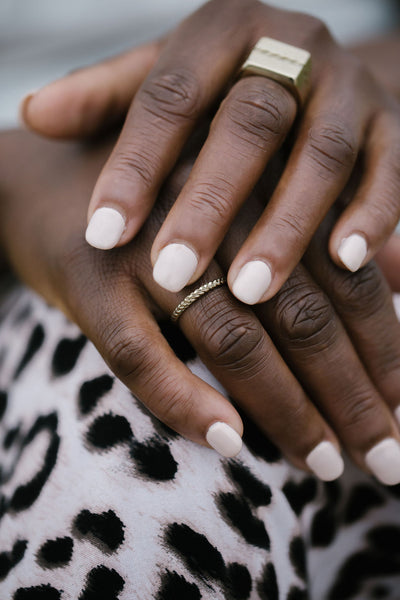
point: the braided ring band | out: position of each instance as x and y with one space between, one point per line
195 295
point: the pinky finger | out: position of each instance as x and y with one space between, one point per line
90 99
137 352
373 214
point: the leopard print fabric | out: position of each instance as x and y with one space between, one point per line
99 500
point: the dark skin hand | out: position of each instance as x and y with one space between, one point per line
343 383
348 114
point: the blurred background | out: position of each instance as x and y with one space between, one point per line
41 40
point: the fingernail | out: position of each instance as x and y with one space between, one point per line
174 267
105 228
384 461
252 282
224 439
23 105
352 251
325 461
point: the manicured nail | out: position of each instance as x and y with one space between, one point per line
105 228
174 267
252 282
352 251
325 461
224 439
384 461
23 105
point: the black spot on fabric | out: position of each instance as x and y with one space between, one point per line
35 342
26 494
10 437
102 582
109 430
3 403
361 566
258 443
239 582
297 554
300 494
296 593
333 492
175 587
106 527
385 538
267 587
201 557
252 488
66 354
362 499
237 513
323 527
8 560
91 392
38 592
153 459
175 338
55 553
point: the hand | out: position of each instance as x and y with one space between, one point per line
347 116
110 296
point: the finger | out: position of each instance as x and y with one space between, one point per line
248 129
318 168
316 345
234 346
364 302
374 212
388 259
190 75
89 99
117 320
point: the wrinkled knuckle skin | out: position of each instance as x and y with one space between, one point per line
259 116
234 342
172 95
331 149
305 317
361 293
128 352
359 410
213 200
177 407
129 161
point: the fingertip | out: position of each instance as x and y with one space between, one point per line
105 228
224 439
352 251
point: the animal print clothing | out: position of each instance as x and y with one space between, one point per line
101 501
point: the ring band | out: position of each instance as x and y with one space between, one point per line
195 295
288 65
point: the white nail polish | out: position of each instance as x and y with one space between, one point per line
384 461
105 228
224 439
174 267
325 461
352 251
252 282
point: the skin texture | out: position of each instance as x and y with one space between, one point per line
303 367
348 115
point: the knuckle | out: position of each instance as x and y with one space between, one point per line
129 161
331 148
235 342
213 199
259 115
362 292
305 317
128 352
173 405
172 95
359 409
